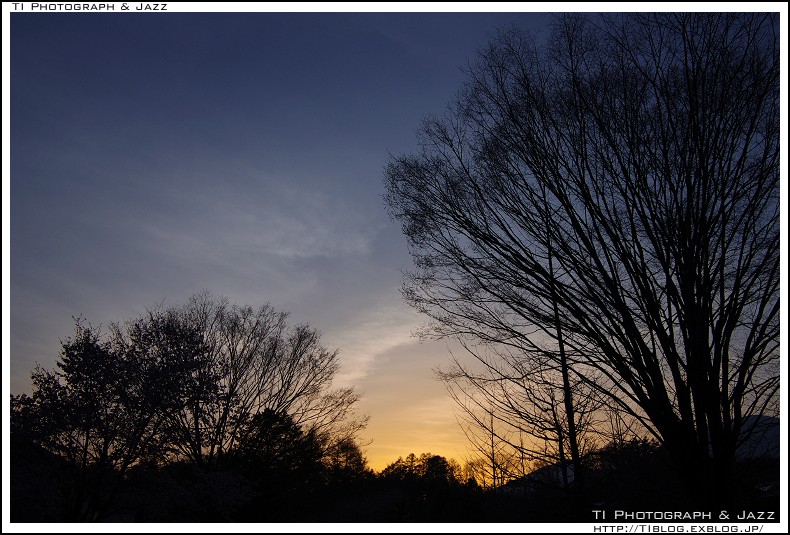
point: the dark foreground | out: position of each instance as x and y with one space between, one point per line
43 489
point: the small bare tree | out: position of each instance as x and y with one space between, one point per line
519 402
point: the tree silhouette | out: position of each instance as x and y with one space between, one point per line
609 201
104 410
345 462
256 362
513 415
425 488
427 469
192 383
278 455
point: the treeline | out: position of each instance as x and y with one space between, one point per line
214 412
185 392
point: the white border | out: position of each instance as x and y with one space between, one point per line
402 7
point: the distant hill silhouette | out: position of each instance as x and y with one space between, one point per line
637 473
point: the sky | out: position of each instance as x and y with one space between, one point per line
156 155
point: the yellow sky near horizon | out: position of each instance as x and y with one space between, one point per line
409 409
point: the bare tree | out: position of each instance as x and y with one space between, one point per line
615 192
518 404
255 362
493 460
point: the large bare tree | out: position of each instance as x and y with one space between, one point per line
613 194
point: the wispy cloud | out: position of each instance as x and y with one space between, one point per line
370 334
271 219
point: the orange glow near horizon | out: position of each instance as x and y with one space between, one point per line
410 410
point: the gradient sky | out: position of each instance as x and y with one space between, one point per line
156 155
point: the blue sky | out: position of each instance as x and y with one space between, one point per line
156 155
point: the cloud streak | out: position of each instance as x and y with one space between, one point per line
370 334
